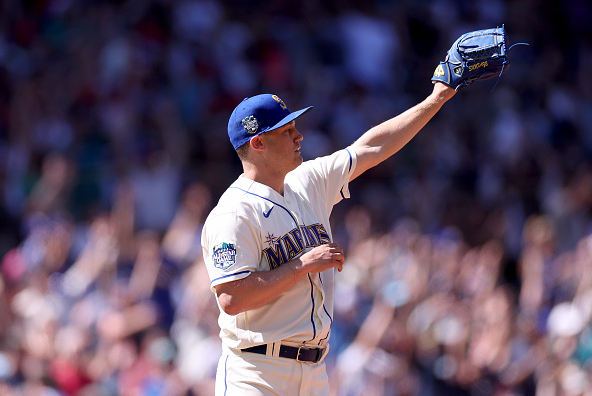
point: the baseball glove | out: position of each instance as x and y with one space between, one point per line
474 56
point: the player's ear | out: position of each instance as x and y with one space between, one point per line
257 143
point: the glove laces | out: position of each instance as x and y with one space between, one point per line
503 64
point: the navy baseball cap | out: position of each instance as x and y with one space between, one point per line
258 114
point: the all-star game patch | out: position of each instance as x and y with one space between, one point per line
224 255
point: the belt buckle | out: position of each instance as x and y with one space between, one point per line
298 354
317 358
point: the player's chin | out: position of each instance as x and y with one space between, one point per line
297 161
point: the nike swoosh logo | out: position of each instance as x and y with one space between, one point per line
266 215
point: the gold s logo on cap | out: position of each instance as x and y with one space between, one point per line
250 124
281 102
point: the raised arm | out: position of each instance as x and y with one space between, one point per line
385 139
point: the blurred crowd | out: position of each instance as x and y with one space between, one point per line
468 254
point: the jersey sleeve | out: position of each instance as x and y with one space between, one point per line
230 248
340 167
333 172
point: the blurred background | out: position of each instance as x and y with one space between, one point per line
469 253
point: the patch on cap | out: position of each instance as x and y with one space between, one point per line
250 124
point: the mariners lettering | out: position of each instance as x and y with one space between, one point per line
321 233
296 234
310 238
289 246
275 254
477 65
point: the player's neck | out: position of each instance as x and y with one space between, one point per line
270 179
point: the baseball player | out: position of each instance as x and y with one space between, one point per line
269 250
268 245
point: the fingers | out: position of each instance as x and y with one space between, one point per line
336 251
329 255
337 255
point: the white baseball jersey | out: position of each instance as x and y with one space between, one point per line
254 228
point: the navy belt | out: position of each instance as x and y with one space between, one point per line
300 354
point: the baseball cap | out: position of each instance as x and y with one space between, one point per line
258 114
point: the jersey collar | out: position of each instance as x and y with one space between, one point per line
257 188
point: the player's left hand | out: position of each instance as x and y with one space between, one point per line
474 56
323 257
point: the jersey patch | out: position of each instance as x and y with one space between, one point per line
224 255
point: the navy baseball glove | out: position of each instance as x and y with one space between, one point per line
474 56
